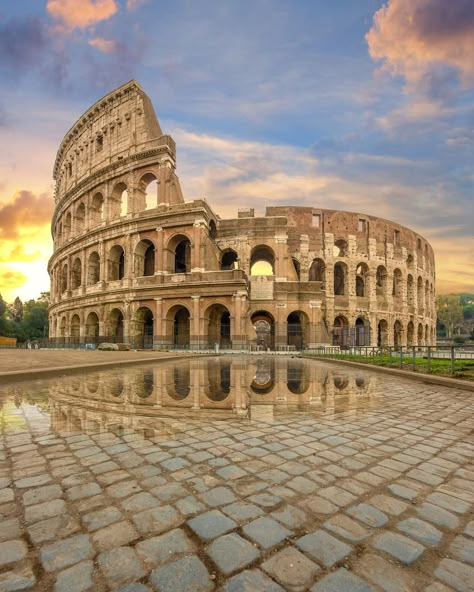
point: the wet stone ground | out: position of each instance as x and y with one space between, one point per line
352 498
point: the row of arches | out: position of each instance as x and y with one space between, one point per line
91 212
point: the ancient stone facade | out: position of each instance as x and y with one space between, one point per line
133 262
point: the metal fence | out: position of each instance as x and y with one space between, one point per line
444 360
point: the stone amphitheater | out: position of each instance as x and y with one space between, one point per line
135 263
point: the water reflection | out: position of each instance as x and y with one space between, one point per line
257 388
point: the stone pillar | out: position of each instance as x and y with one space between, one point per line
160 251
195 339
281 326
83 271
103 264
196 263
281 259
158 337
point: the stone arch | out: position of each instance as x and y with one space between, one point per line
64 278
297 379
297 329
262 260
143 322
93 269
62 327
397 334
339 332
362 332
381 281
217 385
410 261
80 218
229 260
118 201
179 251
317 272
75 325
410 334
96 209
297 267
115 325
178 382
420 334
143 383
382 333
144 258
67 226
397 284
116 263
264 379
427 334
217 318
341 248
410 290
419 293
178 322
148 187
427 297
340 382
92 328
76 274
264 325
362 280
340 279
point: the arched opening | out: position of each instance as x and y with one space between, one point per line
93 269
397 334
178 384
410 334
262 261
381 281
339 331
419 291
144 328
229 261
340 248
340 382
382 333
92 328
427 335
362 332
148 185
427 297
410 290
115 331
297 377
115 386
144 258
218 326
264 379
76 274
144 383
67 226
218 380
64 278
296 265
317 271
264 325
420 334
297 328
75 328
410 261
340 276
397 284
80 218
118 201
62 328
362 275
182 257
181 328
97 209
116 263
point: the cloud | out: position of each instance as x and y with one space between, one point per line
11 280
134 4
104 45
19 255
26 211
71 14
23 42
427 42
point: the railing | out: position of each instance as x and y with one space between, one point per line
451 360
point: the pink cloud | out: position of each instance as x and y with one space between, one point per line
417 38
72 14
134 4
104 45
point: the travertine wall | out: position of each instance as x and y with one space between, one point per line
134 262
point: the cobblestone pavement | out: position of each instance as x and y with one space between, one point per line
363 499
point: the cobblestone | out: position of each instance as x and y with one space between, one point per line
188 573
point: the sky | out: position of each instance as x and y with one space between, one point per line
358 105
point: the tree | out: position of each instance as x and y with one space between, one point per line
450 312
16 310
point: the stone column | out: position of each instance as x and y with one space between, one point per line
158 337
159 253
281 259
195 339
83 271
103 264
196 263
281 326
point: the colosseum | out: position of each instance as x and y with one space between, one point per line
135 263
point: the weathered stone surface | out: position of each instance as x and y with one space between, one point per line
231 552
121 566
420 530
12 552
323 547
368 514
162 548
77 578
157 520
266 532
66 552
346 527
17 580
115 535
211 525
342 581
457 575
292 569
101 518
188 573
45 510
251 581
53 529
400 547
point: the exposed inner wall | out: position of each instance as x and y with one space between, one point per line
133 262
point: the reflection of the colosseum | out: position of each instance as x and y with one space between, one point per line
218 387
